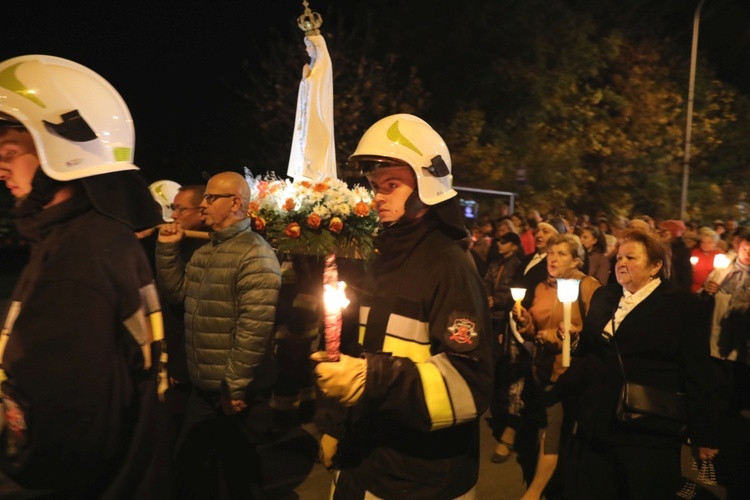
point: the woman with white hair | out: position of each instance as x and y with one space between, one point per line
704 255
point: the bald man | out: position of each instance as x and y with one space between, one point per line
230 287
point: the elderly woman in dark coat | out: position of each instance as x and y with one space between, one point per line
662 336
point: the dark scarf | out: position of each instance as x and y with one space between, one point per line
396 242
40 227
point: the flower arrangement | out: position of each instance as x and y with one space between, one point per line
316 218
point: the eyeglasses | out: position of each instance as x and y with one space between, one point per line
180 210
211 197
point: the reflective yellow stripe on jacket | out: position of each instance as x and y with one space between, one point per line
448 397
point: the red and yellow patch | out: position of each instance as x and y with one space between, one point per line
463 331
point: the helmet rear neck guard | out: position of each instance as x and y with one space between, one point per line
80 125
410 140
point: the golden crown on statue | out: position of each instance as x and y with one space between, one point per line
310 21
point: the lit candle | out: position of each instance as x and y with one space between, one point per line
334 300
518 294
567 293
694 259
721 263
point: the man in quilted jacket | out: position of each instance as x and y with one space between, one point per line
230 288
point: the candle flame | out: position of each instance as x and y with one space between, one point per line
721 261
334 297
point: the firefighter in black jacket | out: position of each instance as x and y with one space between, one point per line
423 374
80 344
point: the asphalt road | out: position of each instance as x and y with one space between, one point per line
293 472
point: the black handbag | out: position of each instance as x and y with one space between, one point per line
650 408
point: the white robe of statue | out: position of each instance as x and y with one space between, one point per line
313 152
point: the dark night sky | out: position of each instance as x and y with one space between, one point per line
168 58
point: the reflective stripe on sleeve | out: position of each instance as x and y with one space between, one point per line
408 338
408 329
464 407
419 353
436 396
364 313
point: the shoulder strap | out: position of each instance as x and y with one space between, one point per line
617 349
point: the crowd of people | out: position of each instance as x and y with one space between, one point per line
138 363
688 301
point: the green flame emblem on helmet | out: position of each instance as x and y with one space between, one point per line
9 81
395 135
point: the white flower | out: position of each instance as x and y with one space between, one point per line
322 211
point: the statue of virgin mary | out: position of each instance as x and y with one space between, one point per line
313 151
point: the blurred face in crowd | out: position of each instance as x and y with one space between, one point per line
632 269
501 230
708 243
543 233
664 234
18 160
560 261
392 187
743 252
185 211
587 239
517 221
506 248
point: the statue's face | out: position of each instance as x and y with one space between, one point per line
310 47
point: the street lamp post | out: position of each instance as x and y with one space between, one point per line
689 124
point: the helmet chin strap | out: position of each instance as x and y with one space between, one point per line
413 206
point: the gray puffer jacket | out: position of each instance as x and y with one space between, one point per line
230 288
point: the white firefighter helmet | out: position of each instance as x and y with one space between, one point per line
164 192
411 140
80 124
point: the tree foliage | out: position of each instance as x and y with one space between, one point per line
589 99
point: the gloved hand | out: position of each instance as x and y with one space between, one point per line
328 447
342 380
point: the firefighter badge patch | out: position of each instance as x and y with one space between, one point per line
463 331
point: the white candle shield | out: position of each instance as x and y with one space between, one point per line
567 293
